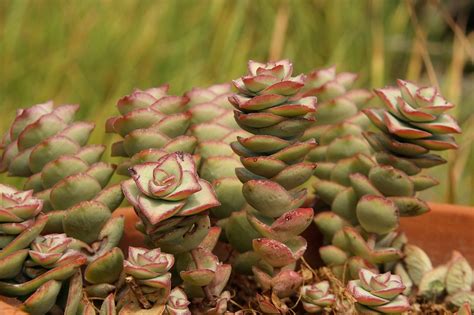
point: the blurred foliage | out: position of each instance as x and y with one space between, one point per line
93 52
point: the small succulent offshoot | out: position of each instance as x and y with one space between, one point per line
378 293
316 297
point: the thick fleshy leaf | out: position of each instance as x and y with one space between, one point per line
105 268
403 130
270 198
43 299
459 276
377 214
49 150
141 139
279 254
85 220
398 305
362 296
263 143
156 211
443 125
74 189
137 119
45 127
257 120
391 182
417 262
329 223
200 201
11 265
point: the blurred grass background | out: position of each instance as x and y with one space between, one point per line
93 52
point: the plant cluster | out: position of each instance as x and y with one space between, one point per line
223 183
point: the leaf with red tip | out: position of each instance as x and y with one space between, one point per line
270 198
259 82
403 130
264 143
412 114
279 254
134 101
170 104
200 201
137 119
262 102
443 125
286 88
257 120
398 305
49 150
158 210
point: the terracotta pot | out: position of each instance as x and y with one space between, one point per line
443 229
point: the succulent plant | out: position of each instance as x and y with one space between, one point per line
413 122
378 293
214 127
47 146
38 279
368 195
150 269
152 124
452 280
316 297
350 248
274 166
178 303
171 201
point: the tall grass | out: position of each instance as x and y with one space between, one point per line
92 52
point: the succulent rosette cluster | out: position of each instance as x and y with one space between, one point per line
45 144
273 159
451 281
316 296
150 268
412 123
378 293
214 127
38 280
151 124
171 201
367 195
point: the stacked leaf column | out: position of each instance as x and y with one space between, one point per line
274 166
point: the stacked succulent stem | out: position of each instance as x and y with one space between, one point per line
152 124
273 159
47 146
368 195
214 127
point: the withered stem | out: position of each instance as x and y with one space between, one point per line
137 291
